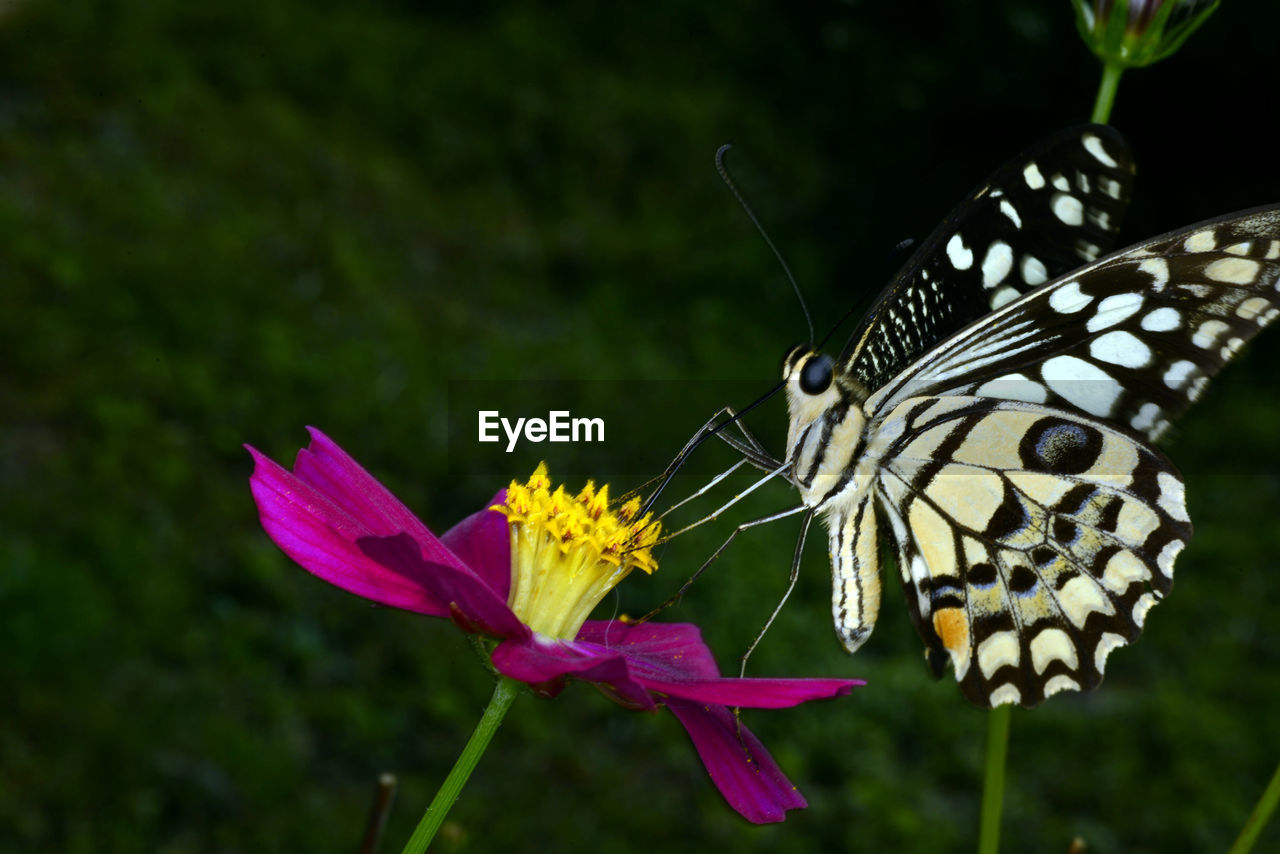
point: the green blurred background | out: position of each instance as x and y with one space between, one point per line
221 223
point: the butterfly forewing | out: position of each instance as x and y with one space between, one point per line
1133 338
1031 541
1048 211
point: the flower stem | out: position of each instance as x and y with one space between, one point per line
1111 72
993 779
1259 818
504 693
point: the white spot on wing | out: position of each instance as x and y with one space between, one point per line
1005 694
961 256
1197 388
1234 271
1033 271
1252 307
996 264
1068 299
1173 496
1052 645
1146 417
1106 644
1013 387
1082 384
1178 374
1122 570
1168 554
1080 597
1141 607
1031 174
1011 212
1093 145
1162 319
1208 333
1061 682
1201 241
1003 296
1113 310
1120 348
997 651
1067 208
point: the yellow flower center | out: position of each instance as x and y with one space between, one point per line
568 552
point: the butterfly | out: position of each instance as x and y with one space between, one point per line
995 410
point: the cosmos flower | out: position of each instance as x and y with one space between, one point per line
524 573
1138 32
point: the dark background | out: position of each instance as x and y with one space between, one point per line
220 224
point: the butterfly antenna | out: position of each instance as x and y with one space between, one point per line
733 188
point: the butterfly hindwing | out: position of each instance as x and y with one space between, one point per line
1052 209
1031 541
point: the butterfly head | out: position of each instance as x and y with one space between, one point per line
811 388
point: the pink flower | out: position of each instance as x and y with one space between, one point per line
1139 32
564 553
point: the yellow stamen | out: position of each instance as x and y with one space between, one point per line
568 552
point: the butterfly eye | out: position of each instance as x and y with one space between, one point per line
815 376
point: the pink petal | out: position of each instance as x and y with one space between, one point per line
666 659
679 645
483 542
741 768
544 663
671 659
472 603
328 469
320 535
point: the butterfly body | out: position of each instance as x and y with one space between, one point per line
993 416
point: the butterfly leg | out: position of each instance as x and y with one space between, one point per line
679 594
710 517
704 490
749 446
752 449
791 585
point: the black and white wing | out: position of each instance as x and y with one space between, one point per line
1132 338
1031 542
1035 526
1050 210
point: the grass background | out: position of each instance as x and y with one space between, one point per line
220 223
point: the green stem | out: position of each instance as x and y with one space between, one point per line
1111 72
504 693
993 779
1260 816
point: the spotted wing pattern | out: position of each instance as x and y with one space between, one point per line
1034 525
1031 541
1050 210
1133 338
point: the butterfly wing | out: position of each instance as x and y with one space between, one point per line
1050 210
1133 338
1031 541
